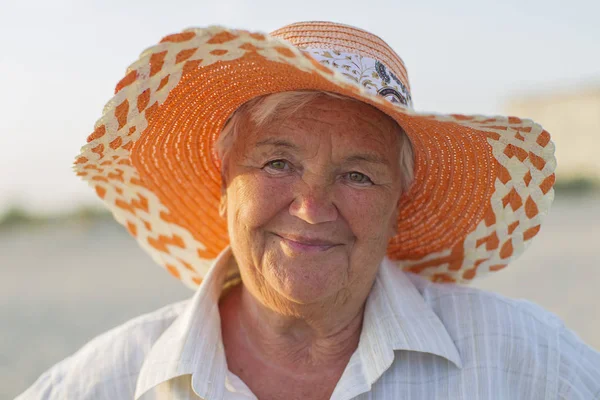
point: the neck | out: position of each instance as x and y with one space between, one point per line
306 338
309 338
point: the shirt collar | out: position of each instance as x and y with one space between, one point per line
396 318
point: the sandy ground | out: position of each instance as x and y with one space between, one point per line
61 287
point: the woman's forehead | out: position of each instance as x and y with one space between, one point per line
339 120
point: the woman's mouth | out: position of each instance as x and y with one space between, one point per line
305 244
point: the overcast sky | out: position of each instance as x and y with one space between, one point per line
60 61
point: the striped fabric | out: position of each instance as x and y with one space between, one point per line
420 340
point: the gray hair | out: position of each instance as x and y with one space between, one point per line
264 108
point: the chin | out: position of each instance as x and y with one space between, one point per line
306 281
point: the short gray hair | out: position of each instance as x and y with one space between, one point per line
263 109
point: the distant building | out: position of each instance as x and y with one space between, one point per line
573 120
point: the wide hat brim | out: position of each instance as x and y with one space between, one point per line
482 184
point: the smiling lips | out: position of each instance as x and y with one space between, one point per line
300 243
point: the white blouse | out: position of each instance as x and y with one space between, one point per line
420 340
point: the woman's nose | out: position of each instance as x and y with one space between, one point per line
314 204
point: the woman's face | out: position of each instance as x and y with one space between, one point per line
312 201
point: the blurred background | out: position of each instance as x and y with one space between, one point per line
68 272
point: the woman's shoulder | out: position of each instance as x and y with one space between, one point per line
108 365
481 306
514 329
515 335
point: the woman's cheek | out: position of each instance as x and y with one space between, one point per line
363 201
365 210
260 197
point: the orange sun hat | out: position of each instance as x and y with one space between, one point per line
482 184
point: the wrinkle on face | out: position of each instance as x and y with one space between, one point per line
316 199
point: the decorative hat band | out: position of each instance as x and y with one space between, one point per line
372 74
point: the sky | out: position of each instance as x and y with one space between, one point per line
61 59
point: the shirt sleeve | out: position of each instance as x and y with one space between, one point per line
579 369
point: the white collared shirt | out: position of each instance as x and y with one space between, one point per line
419 340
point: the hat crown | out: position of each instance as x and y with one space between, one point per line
359 55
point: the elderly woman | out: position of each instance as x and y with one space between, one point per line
326 226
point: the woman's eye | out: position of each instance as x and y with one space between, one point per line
357 177
278 165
